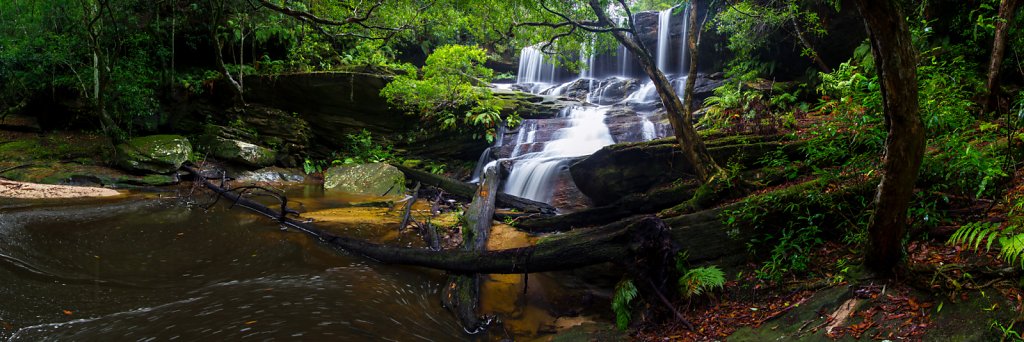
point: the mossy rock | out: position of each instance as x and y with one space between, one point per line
242 152
378 179
154 154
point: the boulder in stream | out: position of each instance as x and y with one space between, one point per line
376 179
154 154
242 152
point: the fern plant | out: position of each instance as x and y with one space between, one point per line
697 281
975 234
625 293
700 280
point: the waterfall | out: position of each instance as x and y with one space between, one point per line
649 131
534 67
684 60
543 148
487 157
664 39
624 58
534 173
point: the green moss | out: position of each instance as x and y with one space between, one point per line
22 150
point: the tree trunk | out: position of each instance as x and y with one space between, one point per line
690 142
462 293
896 65
1007 10
807 44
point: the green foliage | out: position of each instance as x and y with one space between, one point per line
625 293
450 96
738 108
697 281
360 148
791 253
976 235
749 25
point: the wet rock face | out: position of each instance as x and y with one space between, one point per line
154 154
333 103
377 179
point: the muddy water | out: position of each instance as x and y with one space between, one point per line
146 268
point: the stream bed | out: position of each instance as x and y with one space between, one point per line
142 267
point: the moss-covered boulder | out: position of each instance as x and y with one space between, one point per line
241 152
154 154
377 179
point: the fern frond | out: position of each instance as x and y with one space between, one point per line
700 280
1012 249
625 292
971 235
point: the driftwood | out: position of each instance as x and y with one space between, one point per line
462 293
468 190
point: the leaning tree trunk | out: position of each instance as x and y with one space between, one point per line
1007 10
690 143
896 65
462 293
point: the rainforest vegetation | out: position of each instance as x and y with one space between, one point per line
735 169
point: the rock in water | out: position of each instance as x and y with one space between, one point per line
272 175
376 179
154 154
242 152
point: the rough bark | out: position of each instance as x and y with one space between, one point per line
462 294
1007 10
896 65
468 190
681 119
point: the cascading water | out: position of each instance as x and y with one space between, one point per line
612 107
536 69
533 173
684 44
664 41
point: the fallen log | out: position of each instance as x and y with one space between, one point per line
616 242
467 190
636 204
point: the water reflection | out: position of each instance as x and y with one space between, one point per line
145 269
149 268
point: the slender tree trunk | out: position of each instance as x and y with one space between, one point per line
1007 10
807 44
691 144
896 64
219 10
691 74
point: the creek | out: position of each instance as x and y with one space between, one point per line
143 267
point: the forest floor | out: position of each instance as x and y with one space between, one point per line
943 292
